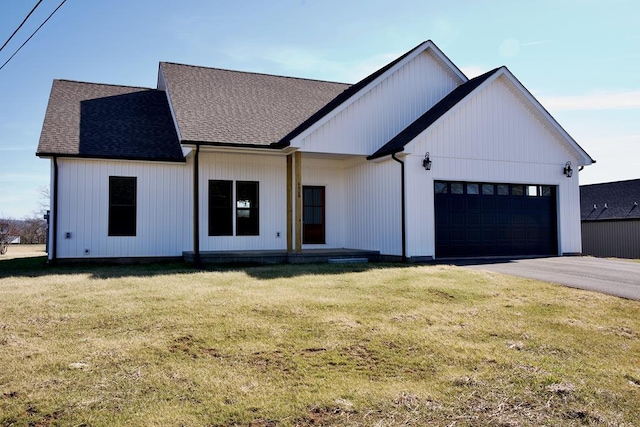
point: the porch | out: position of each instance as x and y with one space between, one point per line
282 256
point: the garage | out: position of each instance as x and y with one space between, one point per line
492 219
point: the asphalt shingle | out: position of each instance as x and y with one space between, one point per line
107 121
226 107
610 200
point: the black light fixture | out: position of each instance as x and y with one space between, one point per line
426 163
567 170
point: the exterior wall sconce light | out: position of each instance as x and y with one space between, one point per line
567 170
426 163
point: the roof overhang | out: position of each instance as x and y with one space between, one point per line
427 46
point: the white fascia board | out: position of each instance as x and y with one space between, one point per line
296 142
584 158
204 148
162 85
186 150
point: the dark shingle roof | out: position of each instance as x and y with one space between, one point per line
398 142
238 108
621 199
105 121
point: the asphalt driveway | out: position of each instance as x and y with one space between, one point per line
609 276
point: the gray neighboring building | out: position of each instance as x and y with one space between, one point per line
611 219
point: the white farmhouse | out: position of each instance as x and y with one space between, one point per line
414 162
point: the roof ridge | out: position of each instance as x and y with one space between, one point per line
103 84
254 73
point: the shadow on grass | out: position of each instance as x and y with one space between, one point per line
38 267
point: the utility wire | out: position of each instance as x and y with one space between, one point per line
34 33
20 26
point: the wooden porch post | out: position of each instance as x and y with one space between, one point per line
298 158
290 203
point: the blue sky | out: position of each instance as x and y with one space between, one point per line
580 58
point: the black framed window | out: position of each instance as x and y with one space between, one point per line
247 209
220 208
122 205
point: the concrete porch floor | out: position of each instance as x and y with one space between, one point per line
282 256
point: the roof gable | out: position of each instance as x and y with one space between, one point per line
427 119
107 121
223 107
610 200
466 91
367 84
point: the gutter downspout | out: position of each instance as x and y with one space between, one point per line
404 225
54 246
196 208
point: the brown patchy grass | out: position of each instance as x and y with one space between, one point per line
23 251
312 345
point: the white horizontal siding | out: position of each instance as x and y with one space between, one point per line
384 111
270 172
163 209
491 137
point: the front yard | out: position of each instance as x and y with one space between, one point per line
310 345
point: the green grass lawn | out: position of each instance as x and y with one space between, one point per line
310 345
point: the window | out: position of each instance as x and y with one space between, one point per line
457 188
247 221
473 189
517 190
487 189
122 205
441 187
503 190
220 208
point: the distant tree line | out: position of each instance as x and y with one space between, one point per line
30 230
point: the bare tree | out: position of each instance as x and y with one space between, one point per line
43 201
9 230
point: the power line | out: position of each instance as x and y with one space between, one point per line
20 26
34 33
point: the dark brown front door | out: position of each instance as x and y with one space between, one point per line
313 214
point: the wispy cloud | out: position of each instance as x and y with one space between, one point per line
472 71
319 63
23 177
535 43
16 148
602 100
510 47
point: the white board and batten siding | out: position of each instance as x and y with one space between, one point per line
163 221
491 137
373 206
382 112
330 174
270 171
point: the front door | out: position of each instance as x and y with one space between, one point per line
313 214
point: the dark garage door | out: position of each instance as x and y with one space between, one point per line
480 219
